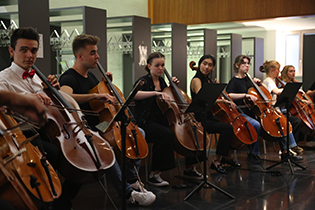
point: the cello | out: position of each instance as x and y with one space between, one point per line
243 132
34 171
272 121
136 145
12 189
188 131
302 110
85 154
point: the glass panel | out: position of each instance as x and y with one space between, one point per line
248 48
223 58
119 44
292 51
66 23
195 49
161 36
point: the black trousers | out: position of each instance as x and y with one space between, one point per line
226 134
159 133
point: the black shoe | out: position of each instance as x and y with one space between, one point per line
285 156
218 168
192 173
231 162
252 158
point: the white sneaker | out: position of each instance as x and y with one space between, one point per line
156 180
138 186
142 198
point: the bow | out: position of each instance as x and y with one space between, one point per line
29 74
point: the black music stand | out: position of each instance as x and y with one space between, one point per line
203 101
285 100
122 117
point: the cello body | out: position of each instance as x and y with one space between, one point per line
85 154
78 162
305 113
243 132
273 122
136 145
302 110
188 132
12 189
26 161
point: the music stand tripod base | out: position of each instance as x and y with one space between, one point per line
285 99
205 98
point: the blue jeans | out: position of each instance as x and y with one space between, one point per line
254 148
113 174
283 143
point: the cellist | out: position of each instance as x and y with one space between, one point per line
155 123
271 68
206 65
19 78
77 81
237 89
288 75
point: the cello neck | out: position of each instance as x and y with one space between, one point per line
280 81
109 83
260 92
54 91
175 88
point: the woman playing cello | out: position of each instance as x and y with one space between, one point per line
287 76
213 125
237 89
271 68
156 125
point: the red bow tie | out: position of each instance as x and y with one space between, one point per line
29 74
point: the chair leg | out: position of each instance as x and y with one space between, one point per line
264 143
235 155
178 164
103 184
147 162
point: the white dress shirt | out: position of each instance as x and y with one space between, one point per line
11 80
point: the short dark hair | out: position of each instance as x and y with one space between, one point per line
82 40
23 33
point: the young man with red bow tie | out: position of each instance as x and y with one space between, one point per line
19 77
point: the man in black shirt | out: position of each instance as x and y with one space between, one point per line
77 82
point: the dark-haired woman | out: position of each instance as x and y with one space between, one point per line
154 123
151 119
237 89
213 125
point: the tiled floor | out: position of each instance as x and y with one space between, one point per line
252 188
